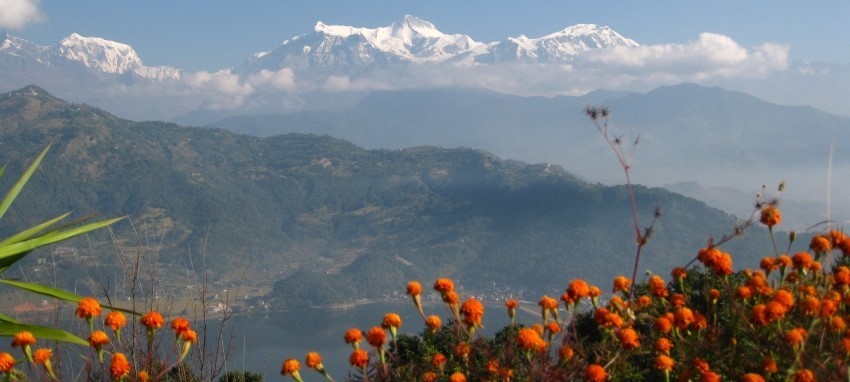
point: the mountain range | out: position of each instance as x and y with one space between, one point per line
687 133
316 219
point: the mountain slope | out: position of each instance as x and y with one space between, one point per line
686 132
306 210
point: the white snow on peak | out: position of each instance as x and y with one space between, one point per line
561 46
111 57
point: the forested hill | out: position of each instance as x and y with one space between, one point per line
339 220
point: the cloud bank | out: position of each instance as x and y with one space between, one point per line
18 13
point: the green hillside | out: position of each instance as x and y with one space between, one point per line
331 221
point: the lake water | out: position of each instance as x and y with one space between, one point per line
261 345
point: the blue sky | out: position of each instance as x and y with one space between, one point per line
211 35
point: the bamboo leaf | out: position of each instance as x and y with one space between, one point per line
16 189
55 293
49 238
8 329
30 232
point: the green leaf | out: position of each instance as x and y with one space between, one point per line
30 232
6 318
8 329
9 250
16 189
55 293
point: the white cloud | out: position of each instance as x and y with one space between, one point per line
220 90
18 13
283 79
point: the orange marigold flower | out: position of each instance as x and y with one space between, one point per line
679 273
391 320
783 261
429 376
752 377
758 315
683 318
663 324
22 339
713 294
595 373
473 311
836 236
119 367
783 297
804 375
837 324
743 292
723 265
359 358
708 256
547 302
98 338
462 349
444 285
376 336
439 360
644 301
663 345
565 353
414 288
553 327
810 305
143 376
802 260
451 298
769 365
844 246
827 308
663 362
180 325
701 365
657 286
795 336
578 289
768 264
42 355
152 320
7 362
189 336
770 216
88 308
621 284
820 244
629 338
529 339
511 303
115 320
775 310
608 319
677 300
594 291
433 323
709 376
353 336
457 377
313 360
290 367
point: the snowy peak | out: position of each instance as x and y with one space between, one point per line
340 48
558 47
97 53
94 53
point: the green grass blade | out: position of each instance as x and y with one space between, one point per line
55 293
5 318
8 329
30 232
49 238
16 189
2 170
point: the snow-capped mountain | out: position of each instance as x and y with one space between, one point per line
97 54
413 40
336 46
559 47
